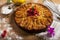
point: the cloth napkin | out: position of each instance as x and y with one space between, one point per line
55 23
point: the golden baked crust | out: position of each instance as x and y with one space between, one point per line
36 22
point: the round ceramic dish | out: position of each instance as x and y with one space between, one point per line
29 31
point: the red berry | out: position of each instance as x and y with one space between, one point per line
32 12
3 34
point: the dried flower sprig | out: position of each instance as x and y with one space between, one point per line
50 31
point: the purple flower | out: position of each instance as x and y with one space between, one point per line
50 31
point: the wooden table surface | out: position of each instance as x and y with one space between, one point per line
4 1
29 37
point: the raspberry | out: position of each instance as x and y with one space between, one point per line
32 12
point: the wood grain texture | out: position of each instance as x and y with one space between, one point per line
26 36
2 2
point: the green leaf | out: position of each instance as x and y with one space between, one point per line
8 1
